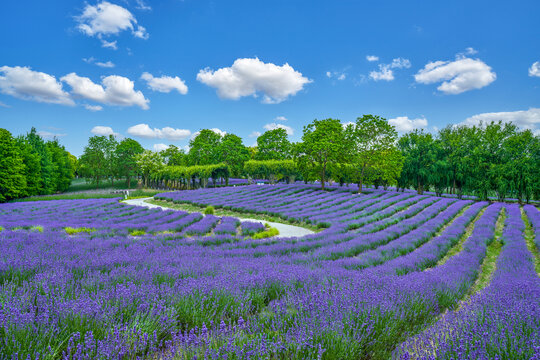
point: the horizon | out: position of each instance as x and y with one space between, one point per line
160 72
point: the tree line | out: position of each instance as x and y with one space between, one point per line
29 165
494 159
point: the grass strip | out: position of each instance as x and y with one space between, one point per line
529 239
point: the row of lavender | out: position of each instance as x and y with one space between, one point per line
110 215
103 295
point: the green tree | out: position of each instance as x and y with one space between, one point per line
126 151
32 167
417 149
173 156
232 152
368 142
63 170
149 162
12 169
273 145
323 143
47 185
203 149
93 164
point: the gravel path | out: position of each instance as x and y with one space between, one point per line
285 230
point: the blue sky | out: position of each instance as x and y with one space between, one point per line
159 71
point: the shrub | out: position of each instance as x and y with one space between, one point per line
72 231
209 210
266 234
137 232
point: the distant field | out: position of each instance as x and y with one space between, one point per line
390 275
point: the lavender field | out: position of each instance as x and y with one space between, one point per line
388 275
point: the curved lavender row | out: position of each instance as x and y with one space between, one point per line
428 254
201 227
407 243
228 225
251 227
501 321
362 242
534 217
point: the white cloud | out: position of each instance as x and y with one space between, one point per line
404 124
280 118
27 84
273 126
116 90
525 119
4 105
160 147
457 76
145 131
386 71
255 134
165 84
109 44
141 5
248 77
103 131
89 60
107 64
216 130
49 135
340 75
372 58
93 107
534 70
471 51
105 19
348 123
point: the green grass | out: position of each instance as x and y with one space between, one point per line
82 185
133 194
233 213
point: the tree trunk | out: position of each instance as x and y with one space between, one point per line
420 189
323 178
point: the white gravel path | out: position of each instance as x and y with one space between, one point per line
285 230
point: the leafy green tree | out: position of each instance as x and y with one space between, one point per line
369 141
454 142
47 185
174 156
323 143
204 148
93 163
12 169
418 151
232 152
273 145
63 170
126 166
32 167
149 162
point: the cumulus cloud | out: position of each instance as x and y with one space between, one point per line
145 131
534 70
457 76
255 134
386 71
103 131
273 126
165 84
49 135
248 77
372 58
116 90
160 147
106 19
404 124
27 84
141 5
280 118
216 130
525 119
93 107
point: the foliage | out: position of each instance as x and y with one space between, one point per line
323 144
188 177
209 210
232 152
125 153
73 231
174 156
273 170
273 145
417 148
204 148
12 168
149 162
